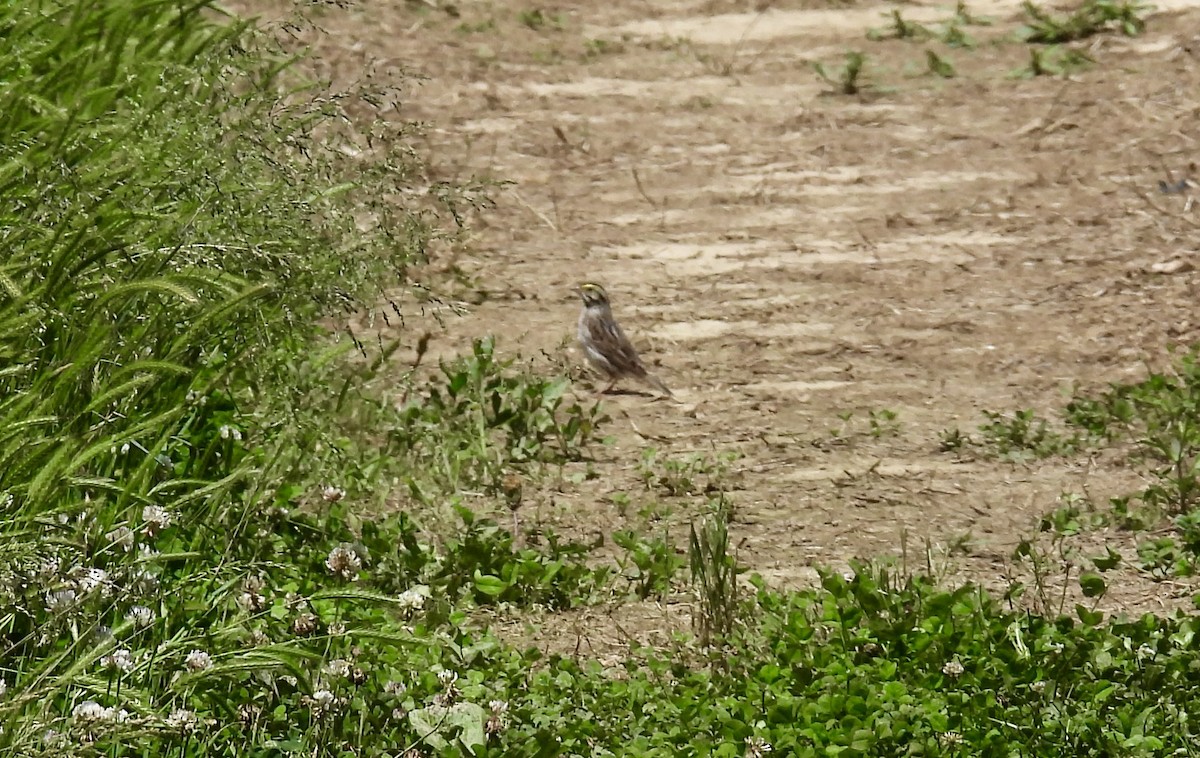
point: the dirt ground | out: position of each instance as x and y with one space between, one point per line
785 255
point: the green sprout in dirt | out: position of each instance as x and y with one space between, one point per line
939 66
953 440
900 28
688 475
1093 17
1024 434
476 27
884 423
597 47
1053 61
954 36
1160 414
953 33
537 19
846 77
964 17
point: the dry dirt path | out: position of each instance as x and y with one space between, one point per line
932 248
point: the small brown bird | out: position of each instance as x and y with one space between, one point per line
607 348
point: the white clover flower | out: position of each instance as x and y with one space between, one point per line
336 629
118 660
395 689
450 692
228 432
344 562
121 537
157 519
258 638
399 713
54 739
948 739
338 667
60 600
332 494
90 579
198 660
48 569
304 624
251 602
140 615
249 713
143 582
323 701
496 723
1039 686
756 747
88 710
183 720
411 600
953 669
125 448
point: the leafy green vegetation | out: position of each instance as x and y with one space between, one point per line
1152 423
1024 434
1156 417
872 665
482 422
689 475
649 565
185 454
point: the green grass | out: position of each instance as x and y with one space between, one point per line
215 517
179 443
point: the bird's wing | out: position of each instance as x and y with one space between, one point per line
608 332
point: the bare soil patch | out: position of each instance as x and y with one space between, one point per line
785 257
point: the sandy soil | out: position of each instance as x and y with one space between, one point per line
784 255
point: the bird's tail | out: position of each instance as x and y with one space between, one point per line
653 381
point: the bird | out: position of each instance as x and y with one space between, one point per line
607 348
